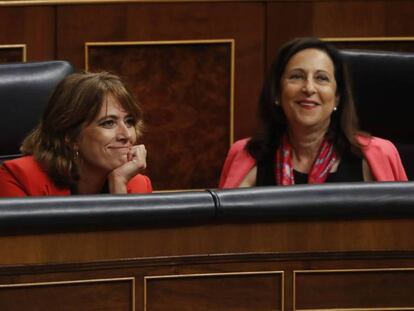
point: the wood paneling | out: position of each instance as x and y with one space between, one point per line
12 54
185 90
259 28
208 239
33 26
336 18
116 295
224 291
355 289
196 280
243 22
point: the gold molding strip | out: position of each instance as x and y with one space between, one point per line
180 42
68 2
131 279
16 46
232 64
358 309
346 271
68 282
367 39
198 275
354 270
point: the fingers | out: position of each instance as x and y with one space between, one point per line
137 161
138 154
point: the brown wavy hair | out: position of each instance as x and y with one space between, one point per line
75 103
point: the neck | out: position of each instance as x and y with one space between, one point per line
305 145
90 182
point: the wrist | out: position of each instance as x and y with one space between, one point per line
117 184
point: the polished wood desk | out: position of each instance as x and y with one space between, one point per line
292 263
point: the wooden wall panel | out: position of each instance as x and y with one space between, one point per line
12 53
336 18
98 245
355 289
262 279
220 291
258 27
242 22
185 90
30 25
110 295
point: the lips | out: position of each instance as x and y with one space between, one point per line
308 104
120 149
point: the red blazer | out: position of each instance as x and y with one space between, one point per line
24 177
381 155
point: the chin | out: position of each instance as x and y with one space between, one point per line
114 164
122 161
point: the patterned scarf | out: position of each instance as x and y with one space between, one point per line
320 168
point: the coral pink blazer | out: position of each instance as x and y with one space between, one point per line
381 155
24 177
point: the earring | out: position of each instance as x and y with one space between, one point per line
335 109
75 153
277 102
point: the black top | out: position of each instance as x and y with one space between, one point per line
349 170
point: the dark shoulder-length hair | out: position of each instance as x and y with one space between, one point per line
75 103
344 122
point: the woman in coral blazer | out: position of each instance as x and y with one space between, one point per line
309 128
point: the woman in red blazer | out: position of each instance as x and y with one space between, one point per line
86 143
309 128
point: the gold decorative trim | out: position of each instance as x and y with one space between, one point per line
358 309
198 275
179 42
353 270
131 279
233 57
66 2
16 46
346 271
367 39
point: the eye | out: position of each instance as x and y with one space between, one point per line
295 76
130 122
322 77
109 123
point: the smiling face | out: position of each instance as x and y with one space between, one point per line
104 143
308 90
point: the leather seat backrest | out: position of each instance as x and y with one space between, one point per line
24 92
382 84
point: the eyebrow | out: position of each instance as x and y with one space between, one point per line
108 116
113 116
303 70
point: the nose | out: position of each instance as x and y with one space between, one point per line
123 132
309 87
